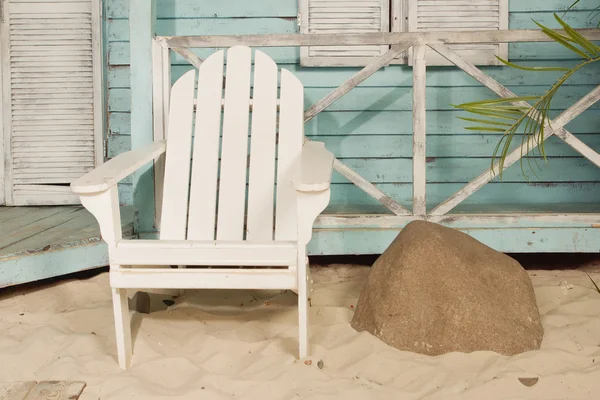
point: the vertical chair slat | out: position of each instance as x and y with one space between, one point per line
177 164
205 164
291 132
261 182
234 153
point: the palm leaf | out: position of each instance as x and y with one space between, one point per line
485 121
503 115
508 63
484 129
563 40
579 38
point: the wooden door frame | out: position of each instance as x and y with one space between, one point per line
98 81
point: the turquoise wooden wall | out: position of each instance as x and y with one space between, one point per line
370 128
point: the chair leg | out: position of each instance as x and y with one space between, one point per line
303 303
122 326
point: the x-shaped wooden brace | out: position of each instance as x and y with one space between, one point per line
555 127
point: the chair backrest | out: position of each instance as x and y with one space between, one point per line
231 196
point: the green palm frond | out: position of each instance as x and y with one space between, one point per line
593 14
510 116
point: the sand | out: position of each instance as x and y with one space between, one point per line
242 344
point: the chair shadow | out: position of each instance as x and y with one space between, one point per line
217 305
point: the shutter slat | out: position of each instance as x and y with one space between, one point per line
343 16
461 15
51 69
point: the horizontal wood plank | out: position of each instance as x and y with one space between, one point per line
400 99
194 252
140 278
119 9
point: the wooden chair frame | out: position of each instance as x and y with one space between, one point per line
194 233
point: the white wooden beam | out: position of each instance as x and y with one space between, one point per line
462 220
502 91
378 38
336 94
355 80
515 155
579 146
419 130
189 55
369 188
190 252
189 278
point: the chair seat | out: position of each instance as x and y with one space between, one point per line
193 252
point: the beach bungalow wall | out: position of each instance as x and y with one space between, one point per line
370 128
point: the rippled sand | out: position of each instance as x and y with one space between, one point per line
242 345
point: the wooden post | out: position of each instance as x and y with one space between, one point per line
141 31
419 128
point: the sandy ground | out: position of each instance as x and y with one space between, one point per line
241 345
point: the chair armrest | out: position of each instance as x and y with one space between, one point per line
314 171
111 172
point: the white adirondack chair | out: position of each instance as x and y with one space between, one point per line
231 218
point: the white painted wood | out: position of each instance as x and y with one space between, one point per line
205 168
296 210
261 180
52 86
104 207
369 188
141 278
354 81
6 196
315 167
303 302
450 15
234 152
551 126
334 17
111 172
291 133
122 326
158 125
166 75
189 55
321 39
177 159
310 205
419 130
193 252
487 220
97 81
579 146
398 23
157 91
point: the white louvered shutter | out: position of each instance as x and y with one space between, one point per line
52 97
342 17
461 15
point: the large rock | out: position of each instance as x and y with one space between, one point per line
437 290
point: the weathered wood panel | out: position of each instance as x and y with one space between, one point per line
44 242
400 99
369 128
526 240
